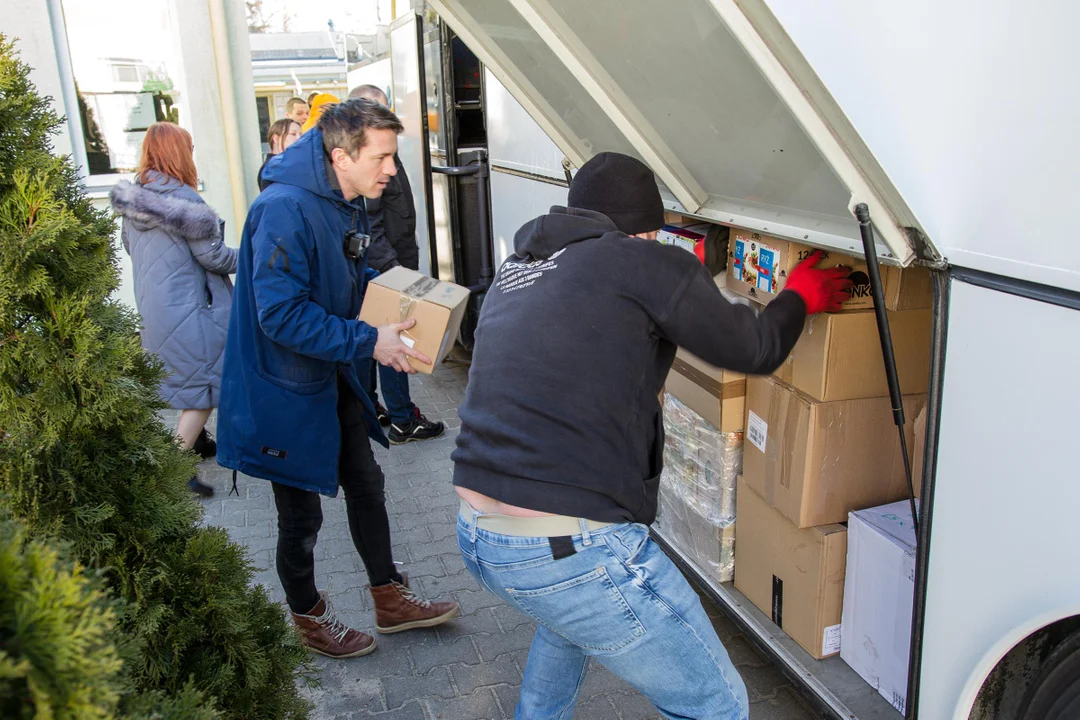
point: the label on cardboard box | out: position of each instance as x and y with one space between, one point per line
899 701
830 640
421 287
757 431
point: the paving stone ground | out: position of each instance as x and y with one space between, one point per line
471 668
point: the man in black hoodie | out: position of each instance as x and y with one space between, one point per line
561 446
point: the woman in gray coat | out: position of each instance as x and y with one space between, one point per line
181 267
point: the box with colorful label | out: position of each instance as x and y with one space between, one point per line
759 265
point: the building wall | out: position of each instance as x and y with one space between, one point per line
27 23
228 186
207 115
239 64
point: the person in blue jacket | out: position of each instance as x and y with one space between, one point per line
293 409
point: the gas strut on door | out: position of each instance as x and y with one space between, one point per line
480 170
862 212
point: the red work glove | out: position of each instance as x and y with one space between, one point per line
821 290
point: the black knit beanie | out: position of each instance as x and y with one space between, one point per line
622 188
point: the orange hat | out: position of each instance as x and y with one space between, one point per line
318 103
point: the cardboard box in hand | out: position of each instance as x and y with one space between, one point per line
401 294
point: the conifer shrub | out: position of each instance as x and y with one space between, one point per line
57 658
86 460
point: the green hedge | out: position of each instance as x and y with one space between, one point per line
84 457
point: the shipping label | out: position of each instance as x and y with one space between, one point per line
757 431
830 641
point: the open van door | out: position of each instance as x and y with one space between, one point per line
411 106
739 130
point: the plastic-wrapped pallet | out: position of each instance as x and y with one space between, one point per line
701 462
697 489
711 546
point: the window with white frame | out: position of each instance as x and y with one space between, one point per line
126 70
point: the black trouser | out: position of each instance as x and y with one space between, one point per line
300 513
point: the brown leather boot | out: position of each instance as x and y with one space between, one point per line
322 632
397 609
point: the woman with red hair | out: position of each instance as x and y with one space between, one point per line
181 267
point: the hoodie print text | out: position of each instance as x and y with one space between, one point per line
519 275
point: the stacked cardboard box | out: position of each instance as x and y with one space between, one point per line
710 543
701 461
794 575
811 463
821 442
703 417
817 461
718 396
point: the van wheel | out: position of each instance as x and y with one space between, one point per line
1054 694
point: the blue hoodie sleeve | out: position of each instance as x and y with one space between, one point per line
281 280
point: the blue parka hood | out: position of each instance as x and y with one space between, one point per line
294 329
304 165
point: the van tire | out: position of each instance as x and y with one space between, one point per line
1054 694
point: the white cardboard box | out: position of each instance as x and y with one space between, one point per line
875 627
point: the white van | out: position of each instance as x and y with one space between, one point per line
956 122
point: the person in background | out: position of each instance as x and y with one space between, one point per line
562 439
297 109
283 133
311 97
393 242
181 268
293 409
319 103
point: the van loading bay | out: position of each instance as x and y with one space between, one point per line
471 668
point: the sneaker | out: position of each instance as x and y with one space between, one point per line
205 445
418 428
382 414
397 609
322 632
200 488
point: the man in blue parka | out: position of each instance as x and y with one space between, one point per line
293 410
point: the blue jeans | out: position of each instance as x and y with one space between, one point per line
618 599
395 392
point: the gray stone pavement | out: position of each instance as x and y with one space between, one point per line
469 669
